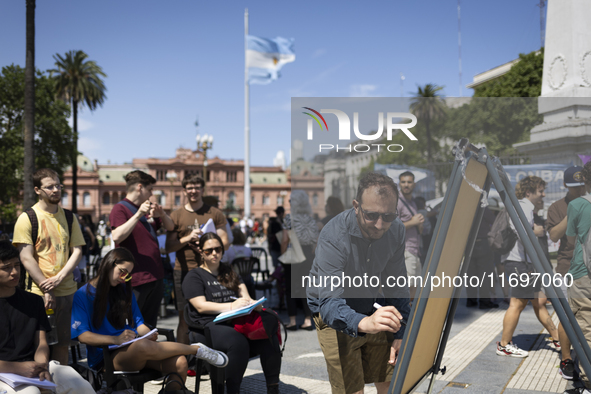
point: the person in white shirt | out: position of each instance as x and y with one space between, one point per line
530 192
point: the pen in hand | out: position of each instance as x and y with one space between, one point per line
128 327
378 306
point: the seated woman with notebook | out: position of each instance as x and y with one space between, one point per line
105 312
213 288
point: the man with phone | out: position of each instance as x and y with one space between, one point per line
184 237
134 222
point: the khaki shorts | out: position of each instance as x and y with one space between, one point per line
63 319
579 299
413 264
354 362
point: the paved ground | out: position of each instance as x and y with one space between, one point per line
470 359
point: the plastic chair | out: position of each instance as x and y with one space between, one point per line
121 380
245 266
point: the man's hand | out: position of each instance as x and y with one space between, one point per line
49 300
50 284
125 336
417 220
386 318
31 369
157 211
144 209
539 231
192 237
394 350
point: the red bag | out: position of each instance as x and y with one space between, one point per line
251 326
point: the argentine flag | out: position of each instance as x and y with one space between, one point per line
264 58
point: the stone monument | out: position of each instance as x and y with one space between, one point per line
565 102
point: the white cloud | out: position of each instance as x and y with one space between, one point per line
362 90
83 124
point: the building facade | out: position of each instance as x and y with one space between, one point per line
102 186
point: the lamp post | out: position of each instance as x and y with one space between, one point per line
171 176
204 143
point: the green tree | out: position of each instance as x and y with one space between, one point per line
524 79
502 111
428 106
29 129
53 142
78 82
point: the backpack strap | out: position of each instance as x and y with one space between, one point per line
69 220
407 206
28 283
34 224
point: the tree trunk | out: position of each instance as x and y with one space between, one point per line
29 197
428 132
75 159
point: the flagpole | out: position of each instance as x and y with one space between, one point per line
246 125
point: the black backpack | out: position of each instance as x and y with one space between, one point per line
501 237
26 285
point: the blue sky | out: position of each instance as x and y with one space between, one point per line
170 61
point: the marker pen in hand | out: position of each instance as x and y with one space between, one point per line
378 306
129 328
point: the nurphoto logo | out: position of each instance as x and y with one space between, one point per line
345 129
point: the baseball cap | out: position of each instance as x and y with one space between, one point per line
573 177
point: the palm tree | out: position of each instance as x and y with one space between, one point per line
29 115
428 106
78 82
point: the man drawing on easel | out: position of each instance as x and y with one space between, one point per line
361 343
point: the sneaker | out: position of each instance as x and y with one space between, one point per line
157 381
510 350
471 302
567 370
214 357
487 304
556 345
578 390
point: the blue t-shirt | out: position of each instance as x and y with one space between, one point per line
82 309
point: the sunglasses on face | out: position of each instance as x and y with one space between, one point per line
123 273
374 216
217 249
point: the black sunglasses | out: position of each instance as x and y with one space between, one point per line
217 249
374 216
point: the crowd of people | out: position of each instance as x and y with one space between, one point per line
387 232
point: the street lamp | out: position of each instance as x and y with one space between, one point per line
171 176
204 142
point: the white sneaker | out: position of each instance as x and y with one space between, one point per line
214 357
511 350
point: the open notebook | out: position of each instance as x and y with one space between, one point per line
245 310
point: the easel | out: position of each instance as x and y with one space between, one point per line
432 315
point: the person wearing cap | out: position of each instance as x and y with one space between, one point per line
556 226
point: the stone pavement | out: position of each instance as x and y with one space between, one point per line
470 358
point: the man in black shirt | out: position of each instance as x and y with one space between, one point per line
23 324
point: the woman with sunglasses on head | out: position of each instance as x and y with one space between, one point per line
212 288
105 312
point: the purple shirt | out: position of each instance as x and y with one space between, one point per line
412 233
